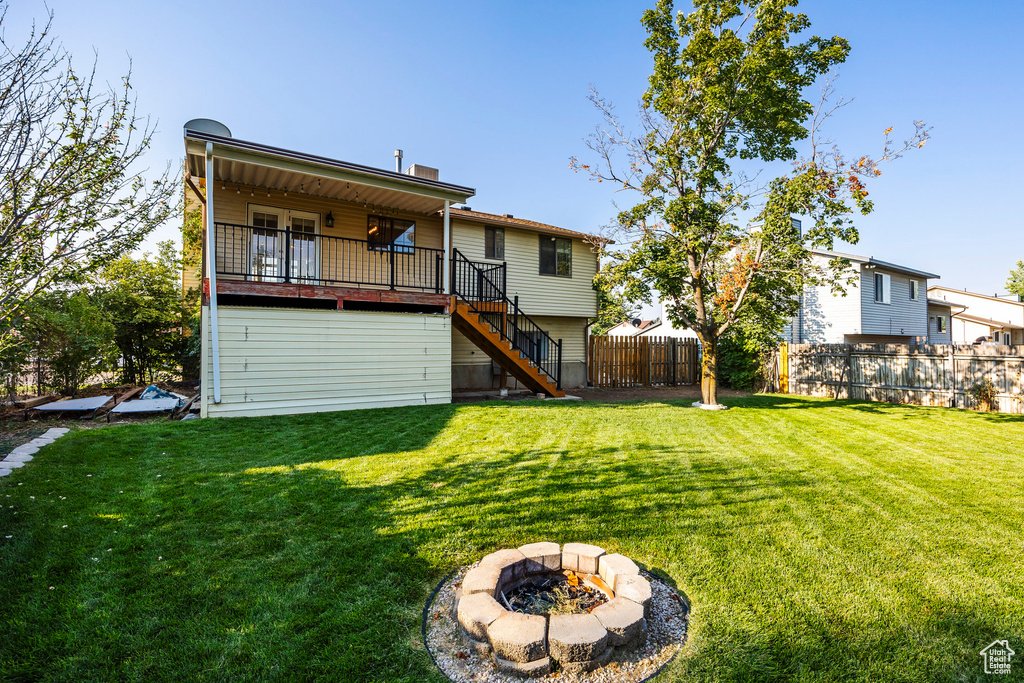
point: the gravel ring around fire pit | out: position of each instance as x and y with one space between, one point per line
461 663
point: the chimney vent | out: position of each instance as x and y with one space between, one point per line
398 161
508 215
421 171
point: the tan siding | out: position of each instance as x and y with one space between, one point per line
349 222
538 294
282 361
570 330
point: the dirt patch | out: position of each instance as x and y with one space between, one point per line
691 392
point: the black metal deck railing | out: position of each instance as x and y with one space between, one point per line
266 255
483 288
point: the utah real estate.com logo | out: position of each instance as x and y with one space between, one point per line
997 657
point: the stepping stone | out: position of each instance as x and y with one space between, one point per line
542 557
25 449
4 471
476 612
581 557
12 464
518 637
613 566
56 432
17 457
576 637
622 618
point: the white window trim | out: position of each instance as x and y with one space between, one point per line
286 222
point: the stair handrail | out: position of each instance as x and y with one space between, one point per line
473 284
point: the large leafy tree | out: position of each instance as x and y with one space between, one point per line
727 97
72 197
141 297
1015 283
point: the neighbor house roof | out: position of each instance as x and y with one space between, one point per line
522 223
987 321
871 261
980 296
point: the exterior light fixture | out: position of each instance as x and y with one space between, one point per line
329 220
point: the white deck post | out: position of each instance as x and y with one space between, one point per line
211 273
447 249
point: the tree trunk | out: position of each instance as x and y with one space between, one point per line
708 372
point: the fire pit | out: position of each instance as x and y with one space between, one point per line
541 606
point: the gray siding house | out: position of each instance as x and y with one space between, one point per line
886 304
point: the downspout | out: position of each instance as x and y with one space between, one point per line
447 248
211 261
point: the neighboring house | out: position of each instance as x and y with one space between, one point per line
940 314
329 285
975 317
886 304
631 328
663 327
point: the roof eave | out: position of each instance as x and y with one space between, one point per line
252 152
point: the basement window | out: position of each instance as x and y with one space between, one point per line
555 256
494 243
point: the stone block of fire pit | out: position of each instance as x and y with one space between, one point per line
518 637
511 564
542 557
635 588
481 579
576 637
534 669
623 619
581 557
589 665
476 612
612 566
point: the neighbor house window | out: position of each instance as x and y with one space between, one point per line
940 323
390 234
914 291
882 285
555 256
494 242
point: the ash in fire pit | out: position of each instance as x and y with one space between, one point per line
555 593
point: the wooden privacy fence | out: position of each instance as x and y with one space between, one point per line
615 362
930 375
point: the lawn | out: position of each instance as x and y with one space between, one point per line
817 540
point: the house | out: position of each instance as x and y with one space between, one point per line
979 317
663 327
631 328
328 285
885 304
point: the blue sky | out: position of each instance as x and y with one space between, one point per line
495 95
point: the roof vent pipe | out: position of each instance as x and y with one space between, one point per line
398 161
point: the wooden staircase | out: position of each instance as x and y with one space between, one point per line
475 328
